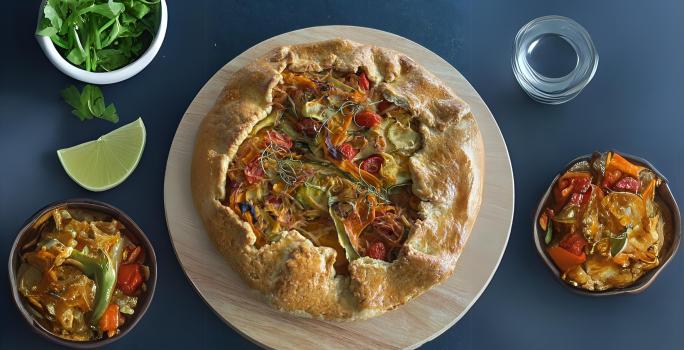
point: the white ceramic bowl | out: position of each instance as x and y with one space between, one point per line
114 76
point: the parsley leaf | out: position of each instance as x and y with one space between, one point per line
89 103
83 29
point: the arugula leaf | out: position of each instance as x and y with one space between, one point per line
139 10
111 59
53 16
110 9
83 29
46 29
89 103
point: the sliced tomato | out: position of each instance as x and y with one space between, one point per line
571 186
274 201
279 140
129 278
377 250
574 243
383 105
363 81
254 172
628 184
367 119
347 150
372 164
581 184
309 127
580 199
576 198
611 177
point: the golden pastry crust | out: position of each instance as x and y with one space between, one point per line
292 273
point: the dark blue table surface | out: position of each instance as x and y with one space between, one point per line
635 104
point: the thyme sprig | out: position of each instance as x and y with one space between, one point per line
287 168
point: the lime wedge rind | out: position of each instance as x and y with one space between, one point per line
102 164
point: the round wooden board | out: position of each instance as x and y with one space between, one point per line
409 326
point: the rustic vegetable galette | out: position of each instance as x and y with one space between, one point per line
339 179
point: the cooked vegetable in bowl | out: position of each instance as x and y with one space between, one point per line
81 273
606 222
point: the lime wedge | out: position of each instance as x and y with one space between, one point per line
104 163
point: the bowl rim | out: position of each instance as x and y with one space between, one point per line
103 78
643 282
130 225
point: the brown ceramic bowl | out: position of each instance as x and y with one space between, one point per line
667 251
29 231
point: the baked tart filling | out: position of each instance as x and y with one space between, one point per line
340 180
331 161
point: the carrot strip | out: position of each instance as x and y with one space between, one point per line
298 80
362 216
622 164
649 192
355 171
341 133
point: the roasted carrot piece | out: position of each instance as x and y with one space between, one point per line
564 259
109 321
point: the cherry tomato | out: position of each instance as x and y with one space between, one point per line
372 164
572 188
580 199
611 177
574 243
367 119
278 139
383 105
576 199
628 184
581 184
254 172
274 201
309 127
348 152
377 250
129 278
363 81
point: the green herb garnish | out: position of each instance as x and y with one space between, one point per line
100 35
549 232
89 104
619 242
